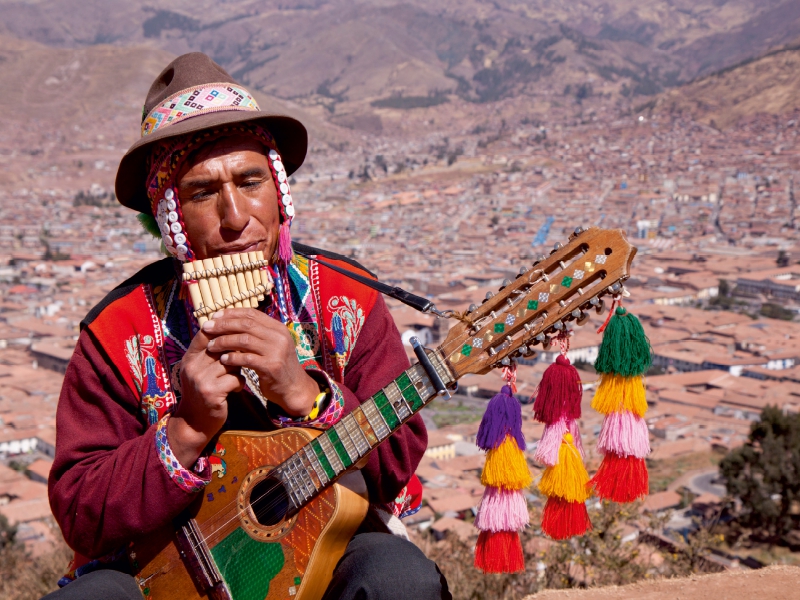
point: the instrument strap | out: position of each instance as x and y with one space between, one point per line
416 302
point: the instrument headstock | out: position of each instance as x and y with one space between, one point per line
540 302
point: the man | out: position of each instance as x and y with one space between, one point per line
147 390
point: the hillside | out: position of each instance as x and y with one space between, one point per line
767 85
776 583
337 55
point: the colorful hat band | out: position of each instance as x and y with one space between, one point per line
192 102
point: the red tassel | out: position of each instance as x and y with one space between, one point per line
561 519
499 552
559 393
621 478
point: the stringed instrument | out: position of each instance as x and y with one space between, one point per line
275 521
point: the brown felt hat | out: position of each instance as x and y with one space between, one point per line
191 94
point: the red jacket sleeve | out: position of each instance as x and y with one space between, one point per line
377 359
107 484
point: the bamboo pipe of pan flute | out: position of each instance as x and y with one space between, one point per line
241 281
232 282
194 290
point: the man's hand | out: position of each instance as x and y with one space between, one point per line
245 337
203 409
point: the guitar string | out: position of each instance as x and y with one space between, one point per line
292 482
229 504
205 536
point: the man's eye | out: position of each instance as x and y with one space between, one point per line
251 184
201 195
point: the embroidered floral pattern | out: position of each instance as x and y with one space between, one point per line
189 481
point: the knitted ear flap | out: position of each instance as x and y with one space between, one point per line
558 406
503 510
623 359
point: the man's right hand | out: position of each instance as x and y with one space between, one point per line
203 409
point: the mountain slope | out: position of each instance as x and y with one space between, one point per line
770 84
326 53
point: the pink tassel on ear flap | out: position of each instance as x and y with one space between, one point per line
285 252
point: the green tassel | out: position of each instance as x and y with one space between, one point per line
149 224
625 349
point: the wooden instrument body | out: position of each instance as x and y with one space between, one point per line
293 559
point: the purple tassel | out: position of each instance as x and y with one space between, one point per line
624 434
502 510
503 417
285 244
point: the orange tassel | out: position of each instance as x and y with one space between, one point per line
499 552
562 519
621 478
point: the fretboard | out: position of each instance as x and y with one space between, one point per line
320 462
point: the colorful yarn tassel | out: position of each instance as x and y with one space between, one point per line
562 519
285 251
559 393
558 406
503 417
623 359
624 433
499 552
503 510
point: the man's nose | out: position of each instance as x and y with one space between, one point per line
233 208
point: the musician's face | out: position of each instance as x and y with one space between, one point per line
228 199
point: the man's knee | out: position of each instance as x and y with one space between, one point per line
385 566
99 585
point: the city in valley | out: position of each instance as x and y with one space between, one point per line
448 201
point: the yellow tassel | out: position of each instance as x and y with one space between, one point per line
617 393
506 467
568 478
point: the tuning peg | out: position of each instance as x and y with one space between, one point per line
600 307
583 318
578 230
506 283
556 247
540 338
547 343
558 326
472 308
505 362
576 313
522 271
488 296
615 288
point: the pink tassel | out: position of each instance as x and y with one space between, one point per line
576 437
624 434
502 510
285 244
547 449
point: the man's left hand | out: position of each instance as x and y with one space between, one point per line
246 337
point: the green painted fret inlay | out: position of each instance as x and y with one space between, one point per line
412 397
382 402
323 459
339 447
403 381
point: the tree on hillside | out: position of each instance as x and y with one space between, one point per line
764 475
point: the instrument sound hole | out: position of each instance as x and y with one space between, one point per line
269 502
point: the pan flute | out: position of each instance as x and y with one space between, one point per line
239 280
